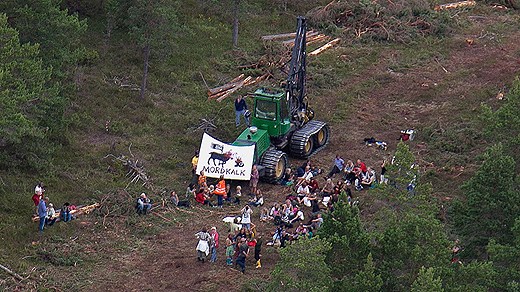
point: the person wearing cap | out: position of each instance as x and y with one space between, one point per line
243 252
214 244
51 215
143 204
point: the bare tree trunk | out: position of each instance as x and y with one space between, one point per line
145 70
235 23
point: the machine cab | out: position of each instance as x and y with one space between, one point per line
271 112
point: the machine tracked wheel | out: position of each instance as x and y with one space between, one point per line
322 137
275 163
309 139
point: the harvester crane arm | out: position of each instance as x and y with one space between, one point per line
295 87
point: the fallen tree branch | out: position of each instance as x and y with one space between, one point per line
10 272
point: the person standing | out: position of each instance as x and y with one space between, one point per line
258 250
246 217
243 252
230 249
194 162
42 213
220 191
214 244
255 177
203 245
240 109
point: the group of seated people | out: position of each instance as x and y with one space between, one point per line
361 176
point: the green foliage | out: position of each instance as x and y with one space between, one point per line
31 104
407 244
57 32
472 277
504 124
366 279
398 21
302 267
153 23
506 259
426 281
492 202
349 241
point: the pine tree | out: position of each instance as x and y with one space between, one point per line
349 241
367 279
153 24
302 267
426 281
492 202
27 96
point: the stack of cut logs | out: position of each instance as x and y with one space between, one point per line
287 40
221 92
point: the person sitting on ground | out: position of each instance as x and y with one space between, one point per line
288 177
202 197
143 204
65 212
191 191
298 216
258 200
316 222
303 190
238 195
307 200
328 188
276 214
367 178
314 185
264 215
348 173
51 215
174 198
306 177
338 166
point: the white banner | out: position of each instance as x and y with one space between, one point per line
217 158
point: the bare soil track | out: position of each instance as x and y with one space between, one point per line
420 96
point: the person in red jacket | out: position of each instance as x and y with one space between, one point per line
220 191
202 198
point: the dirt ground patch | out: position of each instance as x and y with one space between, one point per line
417 97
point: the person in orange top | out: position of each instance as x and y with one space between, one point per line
202 180
220 191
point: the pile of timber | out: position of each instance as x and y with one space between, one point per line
287 40
312 37
455 5
79 211
221 92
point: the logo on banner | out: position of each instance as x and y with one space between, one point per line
217 158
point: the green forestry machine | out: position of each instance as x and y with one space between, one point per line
282 121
